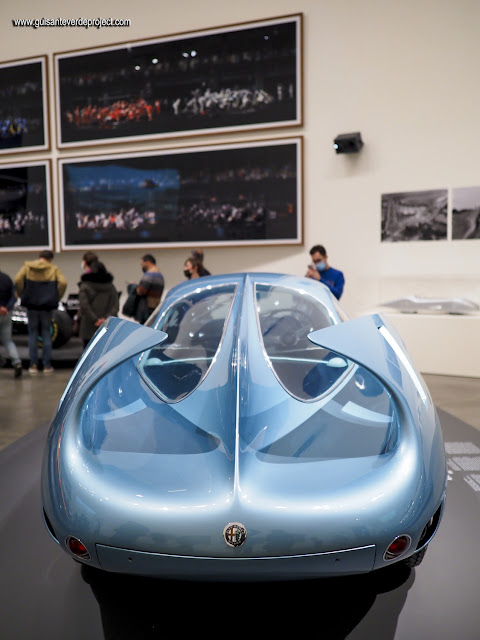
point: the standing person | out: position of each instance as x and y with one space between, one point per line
98 300
40 284
7 300
149 289
88 258
322 271
193 268
199 255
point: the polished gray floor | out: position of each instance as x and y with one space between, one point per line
29 401
459 396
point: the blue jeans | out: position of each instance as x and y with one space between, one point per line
40 324
6 338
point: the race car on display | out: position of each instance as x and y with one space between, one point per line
251 432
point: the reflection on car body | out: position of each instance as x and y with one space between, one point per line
252 432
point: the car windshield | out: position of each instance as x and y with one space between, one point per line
194 326
286 316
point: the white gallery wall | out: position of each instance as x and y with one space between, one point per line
401 73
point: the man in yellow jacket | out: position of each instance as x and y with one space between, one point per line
40 284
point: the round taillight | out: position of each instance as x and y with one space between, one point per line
397 547
77 547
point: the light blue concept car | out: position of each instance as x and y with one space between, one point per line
251 432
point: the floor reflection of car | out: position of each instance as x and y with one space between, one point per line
250 432
62 322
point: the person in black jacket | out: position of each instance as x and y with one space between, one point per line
199 255
193 268
7 300
98 300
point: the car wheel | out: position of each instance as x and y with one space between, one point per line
62 329
416 559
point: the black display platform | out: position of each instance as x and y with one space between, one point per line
44 594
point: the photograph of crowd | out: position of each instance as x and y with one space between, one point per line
23 121
247 193
415 215
237 77
25 207
466 213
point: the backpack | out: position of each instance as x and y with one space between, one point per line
130 305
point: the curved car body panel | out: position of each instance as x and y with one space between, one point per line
256 405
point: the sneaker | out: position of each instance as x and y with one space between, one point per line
33 370
48 369
17 370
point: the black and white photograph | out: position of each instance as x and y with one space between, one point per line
25 207
414 215
466 213
248 193
23 106
240 77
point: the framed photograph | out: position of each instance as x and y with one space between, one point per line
239 77
247 193
23 106
466 213
25 207
414 215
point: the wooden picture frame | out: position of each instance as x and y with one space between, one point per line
234 78
24 106
232 194
26 206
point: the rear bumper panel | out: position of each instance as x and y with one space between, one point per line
348 561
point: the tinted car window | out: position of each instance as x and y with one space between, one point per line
356 419
286 317
194 326
356 416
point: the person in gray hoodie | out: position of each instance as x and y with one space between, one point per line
40 284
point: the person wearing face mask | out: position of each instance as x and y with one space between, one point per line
193 268
199 255
322 271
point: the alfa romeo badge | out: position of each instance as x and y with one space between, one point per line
234 534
